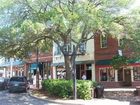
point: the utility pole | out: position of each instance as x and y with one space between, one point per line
37 70
74 75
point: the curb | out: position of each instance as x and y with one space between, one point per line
55 101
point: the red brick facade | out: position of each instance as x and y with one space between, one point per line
104 55
45 59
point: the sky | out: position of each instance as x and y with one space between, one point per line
131 6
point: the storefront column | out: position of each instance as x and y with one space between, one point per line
132 75
4 72
54 72
116 75
93 72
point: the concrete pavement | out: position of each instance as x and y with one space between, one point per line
85 102
93 101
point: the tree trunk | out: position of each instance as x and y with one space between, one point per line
68 67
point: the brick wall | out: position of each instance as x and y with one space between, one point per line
106 53
111 50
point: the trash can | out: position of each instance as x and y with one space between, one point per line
99 91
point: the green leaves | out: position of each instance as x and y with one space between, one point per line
39 21
119 61
29 26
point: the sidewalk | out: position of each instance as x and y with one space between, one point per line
83 102
93 101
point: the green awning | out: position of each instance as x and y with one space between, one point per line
103 62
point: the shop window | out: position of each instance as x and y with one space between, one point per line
22 73
88 71
111 75
103 74
120 74
88 66
136 72
107 74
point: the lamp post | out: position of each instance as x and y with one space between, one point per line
73 55
37 70
74 74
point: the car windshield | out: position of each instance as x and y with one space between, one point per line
1 79
18 79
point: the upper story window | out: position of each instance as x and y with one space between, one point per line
69 48
82 48
120 42
57 50
103 41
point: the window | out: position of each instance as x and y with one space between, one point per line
120 74
103 41
57 51
67 48
120 42
82 47
88 66
136 72
103 74
107 74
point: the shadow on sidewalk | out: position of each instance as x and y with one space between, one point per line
134 103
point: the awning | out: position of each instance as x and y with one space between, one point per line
33 66
107 63
103 62
14 63
77 62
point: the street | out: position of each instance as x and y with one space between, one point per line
7 98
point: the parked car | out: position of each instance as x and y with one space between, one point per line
4 83
18 84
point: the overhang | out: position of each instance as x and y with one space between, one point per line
77 62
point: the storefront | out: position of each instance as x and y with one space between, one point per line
82 67
124 77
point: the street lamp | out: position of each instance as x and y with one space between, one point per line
37 70
67 51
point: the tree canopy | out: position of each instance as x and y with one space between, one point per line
28 23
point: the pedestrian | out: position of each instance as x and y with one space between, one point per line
84 76
49 77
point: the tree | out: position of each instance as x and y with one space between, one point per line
131 37
119 61
61 21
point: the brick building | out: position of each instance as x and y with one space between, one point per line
44 64
105 48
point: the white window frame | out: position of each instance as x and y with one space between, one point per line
103 41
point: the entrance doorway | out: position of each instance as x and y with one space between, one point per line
88 74
127 77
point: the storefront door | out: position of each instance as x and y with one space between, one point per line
127 77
